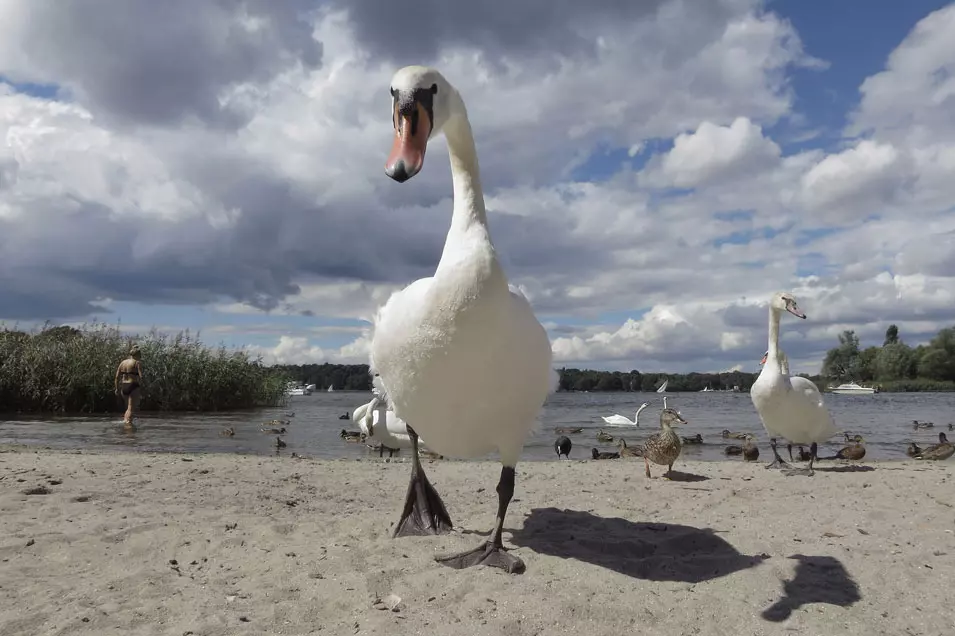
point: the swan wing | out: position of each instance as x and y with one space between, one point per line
618 420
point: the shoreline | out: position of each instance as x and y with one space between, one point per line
217 544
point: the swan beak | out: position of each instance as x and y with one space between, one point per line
412 129
794 310
763 360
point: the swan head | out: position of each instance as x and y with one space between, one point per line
784 301
421 104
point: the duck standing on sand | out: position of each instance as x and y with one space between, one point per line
943 450
462 358
853 450
664 447
563 446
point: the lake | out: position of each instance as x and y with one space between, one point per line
885 420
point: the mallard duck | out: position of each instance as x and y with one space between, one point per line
750 450
802 454
567 430
853 438
943 450
627 451
604 437
227 432
604 455
275 431
344 416
913 450
429 454
280 443
854 449
563 446
664 447
277 423
352 436
733 435
917 425
733 450
696 439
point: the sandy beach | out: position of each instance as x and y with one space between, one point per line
125 543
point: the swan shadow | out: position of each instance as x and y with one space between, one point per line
676 475
648 551
818 579
844 469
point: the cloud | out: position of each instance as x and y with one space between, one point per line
640 177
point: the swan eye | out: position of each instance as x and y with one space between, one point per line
434 89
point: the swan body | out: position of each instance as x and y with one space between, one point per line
392 435
622 420
461 356
789 407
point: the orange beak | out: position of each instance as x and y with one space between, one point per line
412 130
763 360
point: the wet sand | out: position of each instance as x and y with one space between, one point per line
135 543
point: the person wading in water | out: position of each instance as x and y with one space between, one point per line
129 382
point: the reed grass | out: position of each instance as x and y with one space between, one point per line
71 370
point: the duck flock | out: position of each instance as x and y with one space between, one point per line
461 363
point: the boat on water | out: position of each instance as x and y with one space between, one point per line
663 387
331 388
297 389
851 388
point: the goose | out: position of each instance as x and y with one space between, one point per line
623 420
563 446
789 407
596 454
664 447
462 327
392 436
943 450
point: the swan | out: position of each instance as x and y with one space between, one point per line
392 436
462 327
622 420
789 407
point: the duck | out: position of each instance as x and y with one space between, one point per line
563 446
462 327
853 450
604 437
789 406
732 450
802 454
289 413
280 443
696 439
664 447
951 426
917 425
380 424
604 454
343 416
622 420
733 435
277 423
429 454
627 451
750 449
352 436
913 450
943 450
567 430
227 432
274 431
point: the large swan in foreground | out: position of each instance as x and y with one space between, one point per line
622 420
789 407
463 359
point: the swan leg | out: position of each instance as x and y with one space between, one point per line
777 461
789 447
491 553
424 512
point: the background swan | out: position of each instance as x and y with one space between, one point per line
789 407
381 425
622 420
462 358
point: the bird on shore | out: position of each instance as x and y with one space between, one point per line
443 344
802 455
943 450
750 450
563 446
628 451
913 449
664 447
789 406
604 454
622 420
853 450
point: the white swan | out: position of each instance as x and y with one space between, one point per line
381 425
463 359
789 407
622 420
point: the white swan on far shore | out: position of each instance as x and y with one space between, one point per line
622 420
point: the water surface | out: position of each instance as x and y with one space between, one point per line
885 420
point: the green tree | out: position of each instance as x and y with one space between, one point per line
842 362
867 368
938 359
891 335
896 361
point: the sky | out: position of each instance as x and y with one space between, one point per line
654 171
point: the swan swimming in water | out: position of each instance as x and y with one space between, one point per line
622 420
789 407
462 327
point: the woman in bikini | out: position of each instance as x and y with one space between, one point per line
128 381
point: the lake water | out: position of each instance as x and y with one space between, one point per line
885 420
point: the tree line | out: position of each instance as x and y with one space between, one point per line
894 366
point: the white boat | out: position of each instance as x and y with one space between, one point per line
296 389
851 388
663 387
330 388
310 387
705 389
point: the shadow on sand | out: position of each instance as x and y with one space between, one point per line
676 475
649 551
852 468
819 579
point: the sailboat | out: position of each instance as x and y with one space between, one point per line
330 388
663 387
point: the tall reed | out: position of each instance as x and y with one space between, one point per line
68 370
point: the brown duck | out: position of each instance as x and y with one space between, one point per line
276 431
733 435
352 436
913 450
604 455
750 450
664 447
853 450
803 455
696 439
227 432
627 451
943 450
604 437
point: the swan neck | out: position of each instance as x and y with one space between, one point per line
465 172
773 344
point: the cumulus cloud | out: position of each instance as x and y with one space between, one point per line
231 156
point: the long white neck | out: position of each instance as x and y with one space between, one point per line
772 357
465 172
